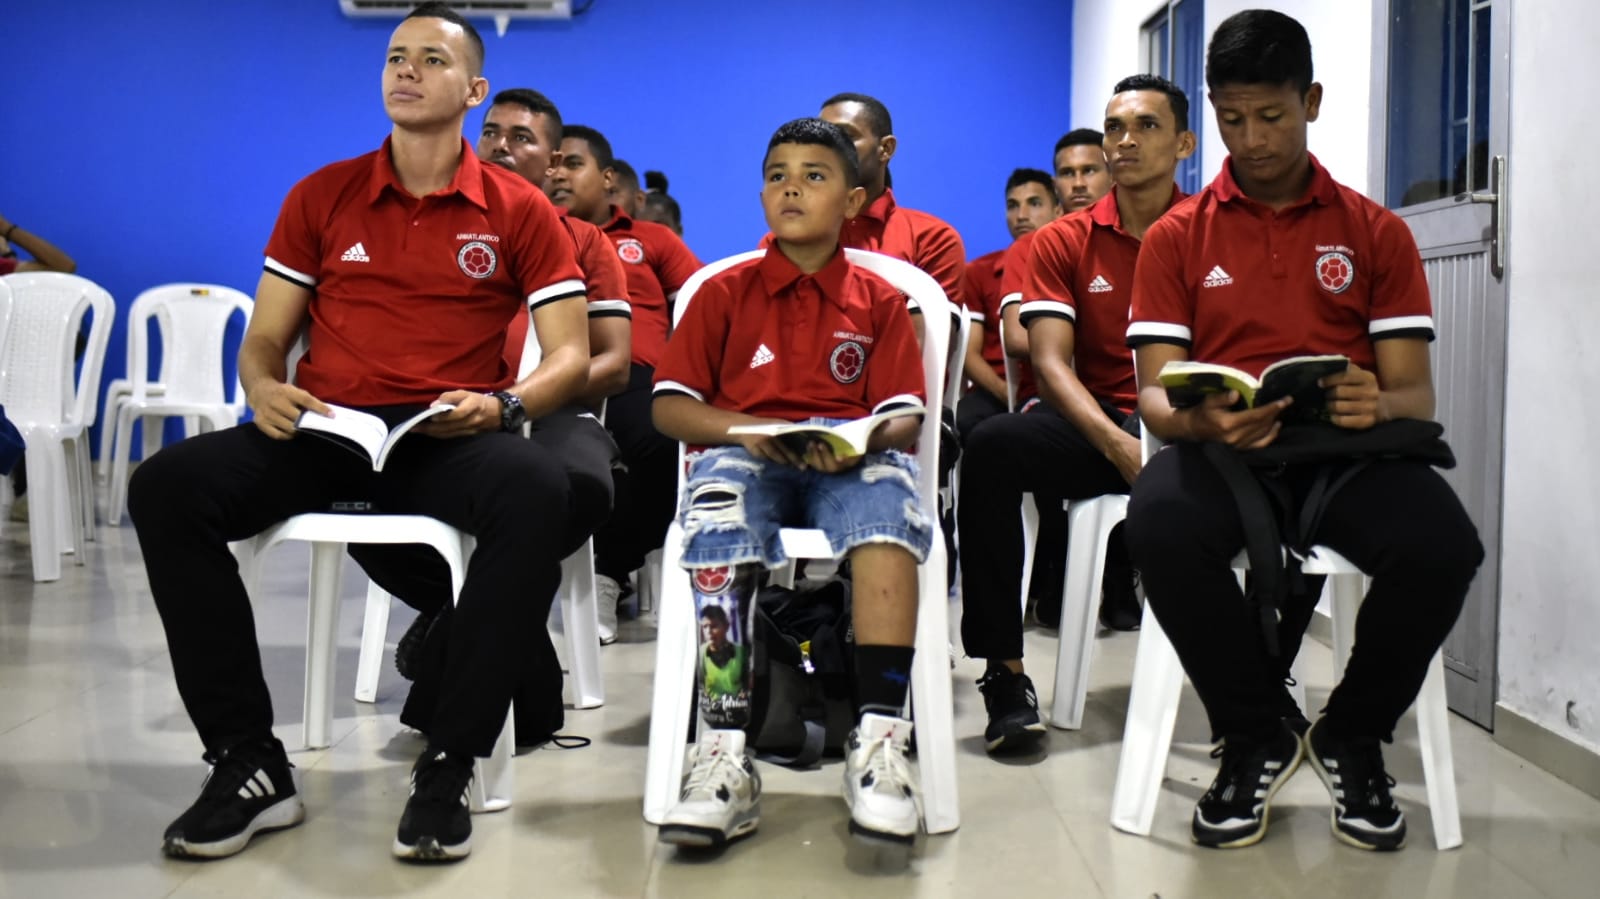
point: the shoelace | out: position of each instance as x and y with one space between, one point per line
890 770
440 780
1234 776
713 770
229 772
1363 782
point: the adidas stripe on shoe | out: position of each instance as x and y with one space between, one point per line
1235 811
1364 812
249 790
436 825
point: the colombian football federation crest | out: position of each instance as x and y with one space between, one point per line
1335 272
713 581
630 251
848 361
477 259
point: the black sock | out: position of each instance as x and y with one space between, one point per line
882 675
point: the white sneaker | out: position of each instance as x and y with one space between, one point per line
606 594
721 797
879 785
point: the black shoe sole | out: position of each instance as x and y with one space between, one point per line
430 850
689 836
1023 739
878 837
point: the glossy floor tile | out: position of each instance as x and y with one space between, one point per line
96 756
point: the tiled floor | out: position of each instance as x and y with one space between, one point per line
96 756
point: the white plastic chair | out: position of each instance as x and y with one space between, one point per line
118 391
193 320
51 407
1089 524
676 638
1158 683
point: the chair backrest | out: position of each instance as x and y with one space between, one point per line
193 322
956 360
37 383
930 298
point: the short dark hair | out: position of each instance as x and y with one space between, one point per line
1031 176
443 11
877 113
599 147
667 204
655 181
818 133
715 613
1078 137
626 176
1175 95
534 102
1259 46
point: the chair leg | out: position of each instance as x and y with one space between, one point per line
45 506
121 449
116 396
153 434
1089 527
671 703
1438 759
931 701
1147 737
374 634
322 645
494 779
1030 546
580 609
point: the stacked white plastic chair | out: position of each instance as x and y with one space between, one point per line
1158 683
51 398
193 321
676 639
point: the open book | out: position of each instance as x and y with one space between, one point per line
363 432
1189 382
846 440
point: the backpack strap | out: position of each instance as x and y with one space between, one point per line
1263 542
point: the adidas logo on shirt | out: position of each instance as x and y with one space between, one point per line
762 356
1218 278
357 253
1099 284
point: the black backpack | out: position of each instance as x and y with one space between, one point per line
802 704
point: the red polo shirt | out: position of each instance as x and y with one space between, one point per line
413 295
766 339
923 240
657 262
983 306
603 278
1013 284
1236 283
1081 270
7 265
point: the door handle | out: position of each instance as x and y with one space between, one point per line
1496 198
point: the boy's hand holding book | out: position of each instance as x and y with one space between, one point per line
474 413
277 407
1352 398
1213 420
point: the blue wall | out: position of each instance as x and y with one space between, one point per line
154 142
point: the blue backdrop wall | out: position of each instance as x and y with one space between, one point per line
154 142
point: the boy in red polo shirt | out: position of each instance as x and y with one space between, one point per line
1275 259
402 267
799 335
1082 441
657 262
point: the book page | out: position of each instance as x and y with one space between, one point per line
366 431
404 426
847 440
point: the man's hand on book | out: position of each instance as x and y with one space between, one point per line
1352 397
767 447
277 406
474 413
821 456
1250 429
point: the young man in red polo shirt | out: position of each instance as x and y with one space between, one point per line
1031 203
657 263
799 335
1081 441
1275 259
402 267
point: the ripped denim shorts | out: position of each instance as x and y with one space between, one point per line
737 503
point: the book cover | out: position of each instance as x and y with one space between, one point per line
847 440
1189 382
363 432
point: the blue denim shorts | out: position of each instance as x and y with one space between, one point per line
736 504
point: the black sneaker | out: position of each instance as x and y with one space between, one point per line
1233 813
248 791
408 652
1013 707
1364 813
1119 599
437 823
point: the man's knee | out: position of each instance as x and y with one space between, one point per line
166 483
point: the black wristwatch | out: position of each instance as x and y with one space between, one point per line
512 414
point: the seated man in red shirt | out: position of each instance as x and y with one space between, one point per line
1081 441
1031 204
800 335
403 268
1275 259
